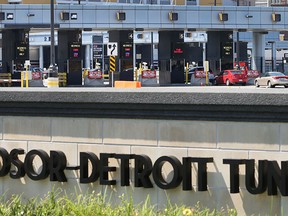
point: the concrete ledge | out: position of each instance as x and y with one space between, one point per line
253 107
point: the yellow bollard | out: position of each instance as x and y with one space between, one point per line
207 69
22 79
135 74
140 69
27 79
186 74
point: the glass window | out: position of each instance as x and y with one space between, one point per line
236 72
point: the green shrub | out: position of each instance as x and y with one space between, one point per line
97 205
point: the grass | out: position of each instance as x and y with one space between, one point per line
97 205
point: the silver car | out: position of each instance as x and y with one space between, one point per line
272 79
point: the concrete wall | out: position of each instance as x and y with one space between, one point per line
155 138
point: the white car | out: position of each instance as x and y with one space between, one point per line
272 79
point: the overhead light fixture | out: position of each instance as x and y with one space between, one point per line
121 16
64 15
223 16
173 16
276 17
248 16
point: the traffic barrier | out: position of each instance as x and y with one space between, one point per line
127 84
62 76
25 79
6 80
35 80
93 78
106 76
53 82
149 77
199 78
31 79
252 75
36 75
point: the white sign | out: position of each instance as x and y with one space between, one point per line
27 63
112 49
200 37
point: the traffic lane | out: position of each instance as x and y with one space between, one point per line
178 89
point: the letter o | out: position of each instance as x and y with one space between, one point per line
6 162
28 164
157 175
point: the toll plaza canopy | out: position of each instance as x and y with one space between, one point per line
112 16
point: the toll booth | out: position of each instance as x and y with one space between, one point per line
222 57
15 51
143 54
145 47
70 57
124 59
171 57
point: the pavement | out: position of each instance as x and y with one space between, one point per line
158 89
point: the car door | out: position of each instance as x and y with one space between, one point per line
219 78
225 76
264 78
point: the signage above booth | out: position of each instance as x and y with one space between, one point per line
200 37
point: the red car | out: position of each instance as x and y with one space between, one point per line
231 77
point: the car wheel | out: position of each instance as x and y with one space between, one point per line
286 86
270 85
227 82
243 84
256 84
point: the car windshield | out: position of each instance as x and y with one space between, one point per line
276 74
36 69
196 69
236 72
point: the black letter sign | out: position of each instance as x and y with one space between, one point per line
28 165
58 163
85 157
177 175
19 172
6 165
143 169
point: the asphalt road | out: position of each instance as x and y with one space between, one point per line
158 89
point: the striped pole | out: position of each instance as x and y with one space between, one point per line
112 68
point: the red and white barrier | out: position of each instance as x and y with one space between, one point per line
95 74
94 78
149 77
252 75
37 75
